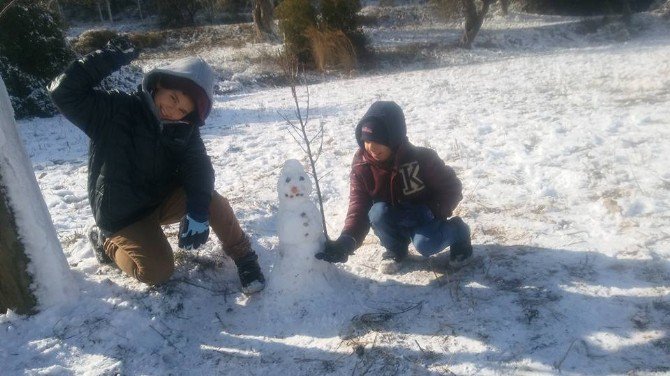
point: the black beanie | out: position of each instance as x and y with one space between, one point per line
375 131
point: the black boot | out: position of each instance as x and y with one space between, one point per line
251 277
460 253
97 240
392 260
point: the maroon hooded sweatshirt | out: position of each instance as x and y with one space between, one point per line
414 175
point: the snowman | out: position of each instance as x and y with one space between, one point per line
301 284
299 222
297 275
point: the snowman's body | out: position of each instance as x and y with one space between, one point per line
299 222
297 275
301 284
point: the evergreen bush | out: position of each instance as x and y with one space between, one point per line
30 56
325 36
295 17
343 15
177 13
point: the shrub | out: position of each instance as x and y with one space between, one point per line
343 15
331 49
330 37
449 9
340 14
295 17
178 12
92 40
27 92
30 56
149 39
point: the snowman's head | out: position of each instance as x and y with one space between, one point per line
294 184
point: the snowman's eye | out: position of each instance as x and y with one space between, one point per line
288 180
302 178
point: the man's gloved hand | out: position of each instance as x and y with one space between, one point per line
337 250
124 50
193 233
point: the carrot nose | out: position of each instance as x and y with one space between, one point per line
294 190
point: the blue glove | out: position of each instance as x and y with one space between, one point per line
124 50
192 233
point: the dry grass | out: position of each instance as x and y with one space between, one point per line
150 39
92 40
72 239
331 49
186 39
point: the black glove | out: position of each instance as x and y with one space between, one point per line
337 250
193 233
124 50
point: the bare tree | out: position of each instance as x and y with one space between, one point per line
21 284
15 281
263 16
109 11
626 12
474 18
504 4
6 7
300 132
99 7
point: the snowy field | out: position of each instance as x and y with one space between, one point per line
564 159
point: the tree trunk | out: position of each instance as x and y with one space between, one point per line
34 272
504 4
109 11
15 293
139 8
473 21
627 13
102 19
263 18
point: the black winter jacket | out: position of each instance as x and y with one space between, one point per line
135 160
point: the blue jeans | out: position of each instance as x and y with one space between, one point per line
397 226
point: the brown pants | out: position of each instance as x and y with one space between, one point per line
142 251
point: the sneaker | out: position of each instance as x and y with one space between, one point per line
460 253
97 242
392 261
250 274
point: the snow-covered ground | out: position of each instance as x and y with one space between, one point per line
564 158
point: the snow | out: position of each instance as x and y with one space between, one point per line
563 155
52 282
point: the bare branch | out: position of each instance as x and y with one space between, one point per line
297 129
307 109
7 7
296 137
326 174
292 70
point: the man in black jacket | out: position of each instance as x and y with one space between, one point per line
148 165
